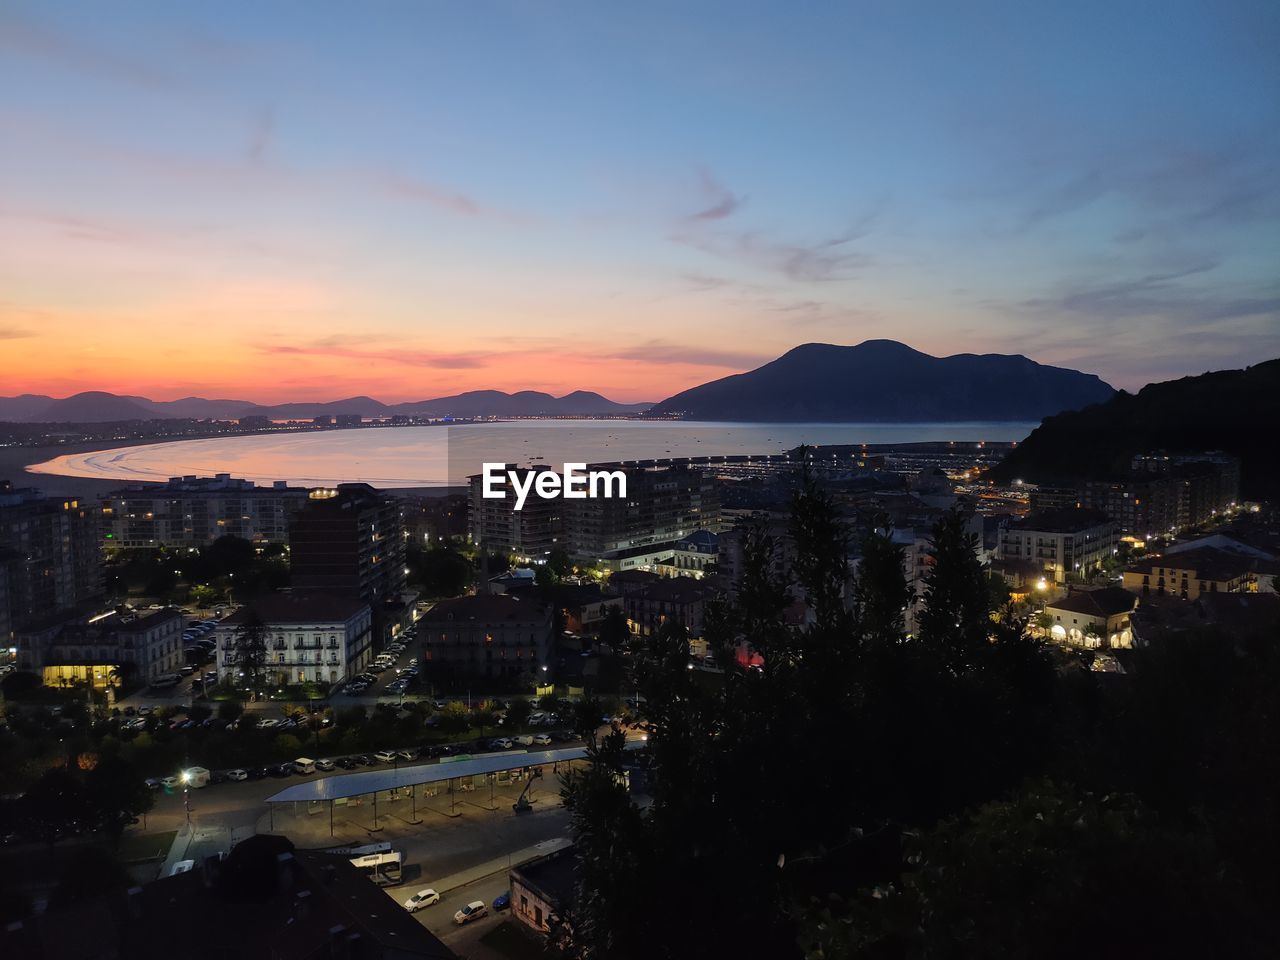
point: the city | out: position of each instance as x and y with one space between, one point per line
754 580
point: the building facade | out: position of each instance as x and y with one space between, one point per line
496 527
1095 619
195 511
349 542
487 636
103 648
1068 544
1190 573
52 554
309 638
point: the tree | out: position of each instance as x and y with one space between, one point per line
881 594
119 793
249 648
1027 877
517 714
1044 621
455 718
559 563
614 630
955 621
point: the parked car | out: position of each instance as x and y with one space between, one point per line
423 898
385 756
472 911
347 763
324 765
238 774
525 740
407 754
169 783
153 783
502 901
543 740
367 760
501 743
281 770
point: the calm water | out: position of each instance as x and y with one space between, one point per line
436 456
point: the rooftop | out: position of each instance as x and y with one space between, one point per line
359 784
1064 520
302 607
1202 563
1107 602
486 608
553 875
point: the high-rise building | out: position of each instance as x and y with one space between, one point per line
348 541
497 527
663 505
195 511
53 558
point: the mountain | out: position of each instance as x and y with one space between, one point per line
1231 410
883 380
524 403
100 407
365 406
95 406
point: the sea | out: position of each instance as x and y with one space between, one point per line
441 455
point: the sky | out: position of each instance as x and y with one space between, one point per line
313 200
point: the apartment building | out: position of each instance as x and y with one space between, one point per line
195 511
1067 544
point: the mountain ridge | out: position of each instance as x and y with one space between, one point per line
888 381
98 406
1187 415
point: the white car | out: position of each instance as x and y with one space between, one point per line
472 911
324 764
525 740
386 756
238 774
423 898
542 740
170 783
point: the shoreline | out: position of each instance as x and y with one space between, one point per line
16 461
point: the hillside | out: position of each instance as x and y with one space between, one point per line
1231 410
883 380
100 407
525 403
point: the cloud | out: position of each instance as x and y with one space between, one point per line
821 261
722 203
262 135
344 347
23 36
412 188
15 333
665 353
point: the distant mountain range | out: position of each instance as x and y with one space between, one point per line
879 380
1235 411
98 407
887 381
